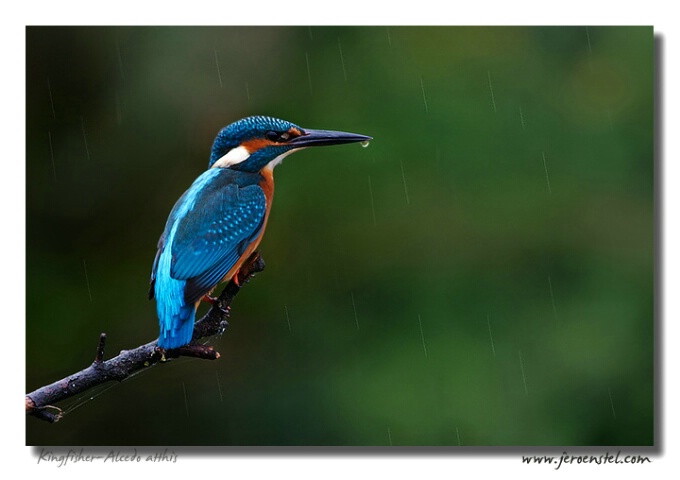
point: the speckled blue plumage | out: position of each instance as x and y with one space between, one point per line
208 229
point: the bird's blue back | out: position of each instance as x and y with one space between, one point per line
207 231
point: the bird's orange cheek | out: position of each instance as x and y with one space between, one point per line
256 144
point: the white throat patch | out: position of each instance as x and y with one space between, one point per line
232 157
240 154
280 158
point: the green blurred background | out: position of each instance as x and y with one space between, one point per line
481 274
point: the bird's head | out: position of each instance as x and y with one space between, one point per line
253 143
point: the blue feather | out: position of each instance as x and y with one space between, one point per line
176 318
200 245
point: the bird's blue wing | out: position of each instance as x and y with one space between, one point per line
154 268
212 236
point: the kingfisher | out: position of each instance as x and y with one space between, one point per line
220 220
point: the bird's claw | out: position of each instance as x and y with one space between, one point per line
210 299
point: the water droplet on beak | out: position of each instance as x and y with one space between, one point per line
365 143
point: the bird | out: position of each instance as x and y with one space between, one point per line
220 220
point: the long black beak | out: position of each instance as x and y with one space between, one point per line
317 138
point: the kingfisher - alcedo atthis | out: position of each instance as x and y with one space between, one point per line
220 220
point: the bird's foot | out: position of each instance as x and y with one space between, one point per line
210 299
215 302
242 277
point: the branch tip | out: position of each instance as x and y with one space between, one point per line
99 357
196 351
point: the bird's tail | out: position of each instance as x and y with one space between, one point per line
177 330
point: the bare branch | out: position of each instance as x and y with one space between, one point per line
39 403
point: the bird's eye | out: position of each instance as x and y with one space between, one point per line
281 137
272 135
